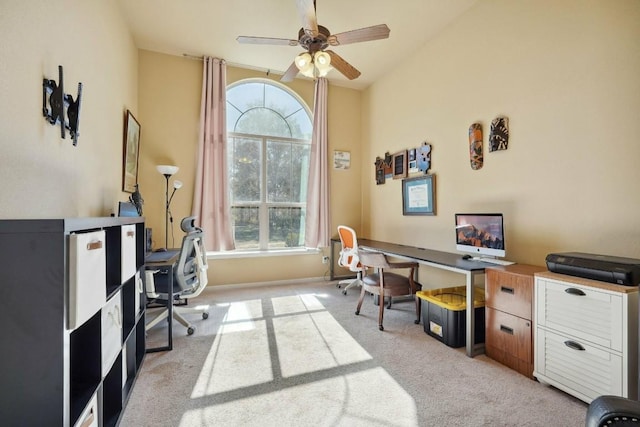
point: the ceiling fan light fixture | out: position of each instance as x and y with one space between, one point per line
322 61
304 62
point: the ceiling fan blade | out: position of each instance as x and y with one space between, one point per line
290 74
266 40
307 12
343 66
375 32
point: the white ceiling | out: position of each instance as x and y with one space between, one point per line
210 27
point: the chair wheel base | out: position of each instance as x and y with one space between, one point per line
381 327
357 313
205 315
190 331
344 292
417 322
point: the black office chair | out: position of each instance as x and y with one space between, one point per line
613 411
189 279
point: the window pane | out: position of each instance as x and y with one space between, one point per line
262 121
246 227
246 96
244 163
282 102
286 227
300 124
287 168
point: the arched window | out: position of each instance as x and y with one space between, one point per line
269 138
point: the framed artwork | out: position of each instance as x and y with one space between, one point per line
131 153
341 159
400 164
380 176
418 195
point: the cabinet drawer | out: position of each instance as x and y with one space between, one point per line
585 370
128 253
509 292
587 313
87 276
111 332
509 340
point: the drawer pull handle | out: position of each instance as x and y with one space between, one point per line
131 234
574 345
574 291
91 246
507 290
506 329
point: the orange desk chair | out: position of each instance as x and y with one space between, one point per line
349 257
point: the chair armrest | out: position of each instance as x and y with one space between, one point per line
613 411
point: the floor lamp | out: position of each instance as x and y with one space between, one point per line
168 171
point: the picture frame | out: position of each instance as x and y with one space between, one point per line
400 164
131 153
341 159
418 195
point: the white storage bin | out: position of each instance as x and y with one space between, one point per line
128 253
111 332
89 417
87 276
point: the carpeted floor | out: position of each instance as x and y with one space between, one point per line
298 356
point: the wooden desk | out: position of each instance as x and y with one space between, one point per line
442 260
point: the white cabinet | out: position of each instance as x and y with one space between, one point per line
586 336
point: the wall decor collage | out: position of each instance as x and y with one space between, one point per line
418 192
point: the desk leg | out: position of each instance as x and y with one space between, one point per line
471 335
472 348
169 345
331 260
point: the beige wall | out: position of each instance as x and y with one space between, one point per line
169 99
42 175
566 75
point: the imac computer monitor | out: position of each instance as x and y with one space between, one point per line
481 234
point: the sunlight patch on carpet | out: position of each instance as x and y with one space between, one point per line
312 342
367 398
239 357
243 310
295 304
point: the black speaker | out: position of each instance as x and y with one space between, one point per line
148 240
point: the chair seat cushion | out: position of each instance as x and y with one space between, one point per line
391 280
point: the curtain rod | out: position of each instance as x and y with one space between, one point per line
267 71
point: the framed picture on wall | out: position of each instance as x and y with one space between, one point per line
131 153
400 164
418 195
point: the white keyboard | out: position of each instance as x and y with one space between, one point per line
494 261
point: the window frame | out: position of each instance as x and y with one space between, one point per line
264 205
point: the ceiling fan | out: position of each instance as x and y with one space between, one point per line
315 39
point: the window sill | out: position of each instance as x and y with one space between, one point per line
258 254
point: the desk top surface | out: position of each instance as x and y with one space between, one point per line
162 257
447 259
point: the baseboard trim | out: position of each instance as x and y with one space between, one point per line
272 283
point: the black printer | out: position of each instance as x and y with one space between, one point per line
606 268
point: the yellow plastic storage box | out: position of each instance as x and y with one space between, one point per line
444 314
